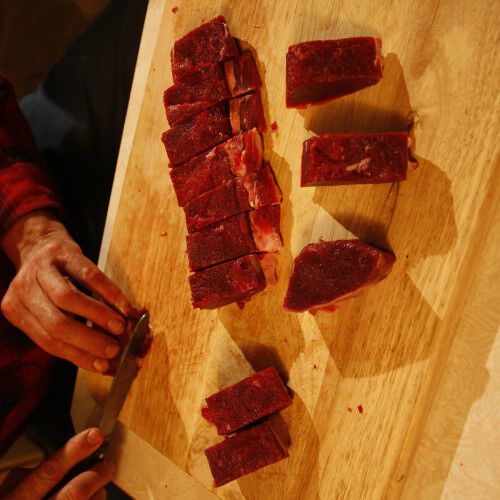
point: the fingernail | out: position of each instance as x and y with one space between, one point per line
116 325
94 436
112 351
100 365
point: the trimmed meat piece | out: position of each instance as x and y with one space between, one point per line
247 451
202 132
335 159
207 44
240 156
328 272
195 93
242 234
247 401
238 195
232 281
320 71
247 113
242 75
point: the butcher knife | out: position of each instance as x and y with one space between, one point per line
125 375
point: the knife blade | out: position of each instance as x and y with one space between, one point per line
125 375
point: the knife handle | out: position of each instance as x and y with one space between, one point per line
80 467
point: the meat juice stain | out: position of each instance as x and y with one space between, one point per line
174 10
163 234
274 127
349 409
360 408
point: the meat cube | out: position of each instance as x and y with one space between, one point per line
195 93
238 195
242 234
246 452
242 75
232 281
247 113
240 156
247 401
202 132
328 272
334 159
208 44
320 71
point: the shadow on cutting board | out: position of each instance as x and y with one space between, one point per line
413 219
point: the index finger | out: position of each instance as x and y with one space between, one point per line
85 272
51 471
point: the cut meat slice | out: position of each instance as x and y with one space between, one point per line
242 75
319 71
194 94
208 44
202 132
232 281
247 401
247 451
240 156
328 272
247 113
242 234
334 159
238 195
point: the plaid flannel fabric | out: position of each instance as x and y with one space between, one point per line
24 187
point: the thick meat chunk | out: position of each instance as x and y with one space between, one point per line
238 195
233 281
334 159
238 157
194 94
208 44
247 401
202 132
247 113
242 234
246 452
319 71
242 75
328 272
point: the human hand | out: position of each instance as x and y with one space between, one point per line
42 300
89 484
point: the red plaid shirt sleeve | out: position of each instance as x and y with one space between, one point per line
24 184
25 370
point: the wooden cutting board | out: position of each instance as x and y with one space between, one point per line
382 352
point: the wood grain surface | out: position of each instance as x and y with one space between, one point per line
385 350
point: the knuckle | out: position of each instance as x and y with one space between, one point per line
7 305
65 297
54 247
50 471
90 273
76 492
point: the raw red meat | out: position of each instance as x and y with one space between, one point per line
334 159
246 113
240 156
229 282
247 401
242 234
208 44
242 75
238 195
328 272
319 71
194 94
202 132
246 452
